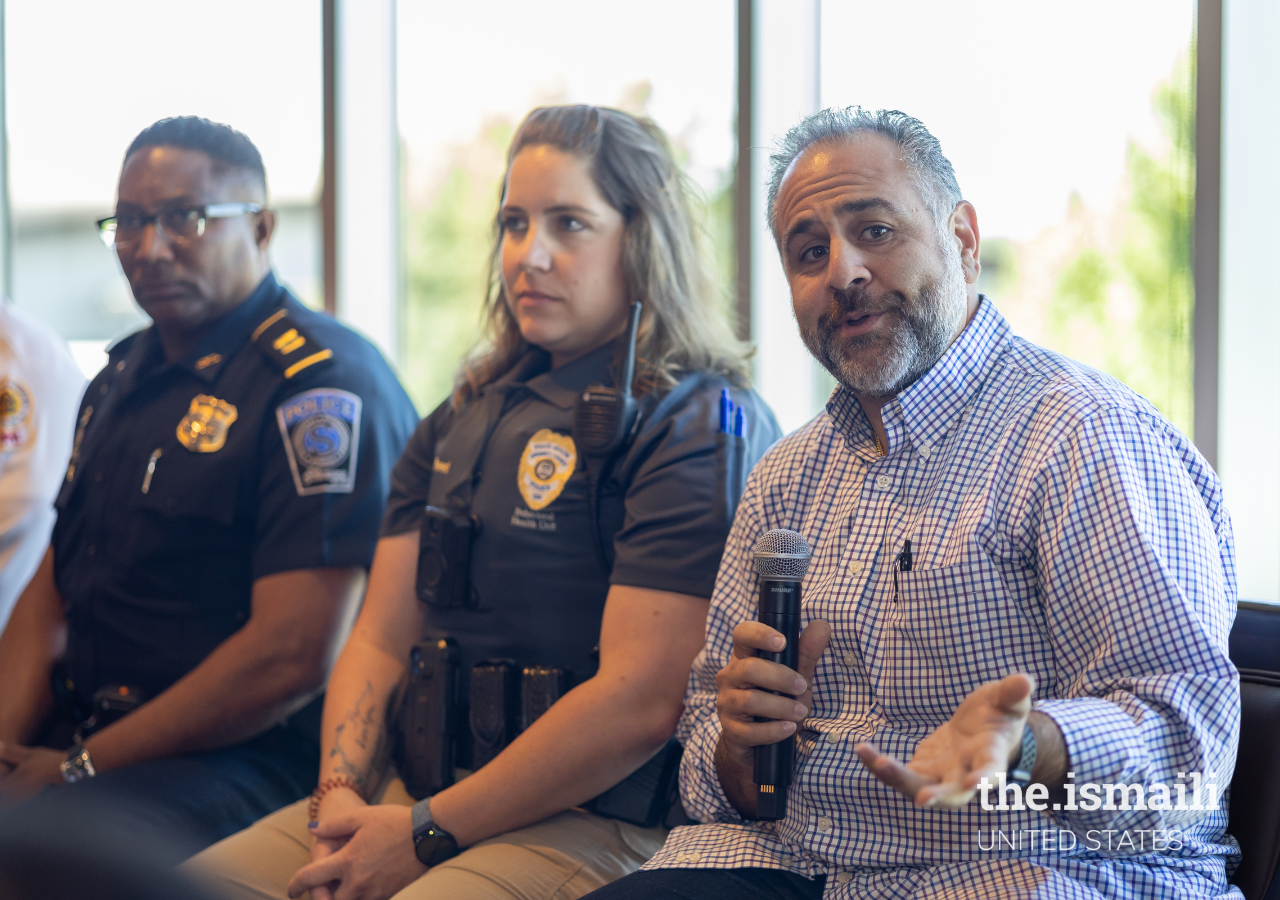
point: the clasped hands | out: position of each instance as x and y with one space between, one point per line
359 851
980 740
26 770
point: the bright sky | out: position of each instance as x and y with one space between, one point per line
1030 99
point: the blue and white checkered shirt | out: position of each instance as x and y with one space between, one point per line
1060 526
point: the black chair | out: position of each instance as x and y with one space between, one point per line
1254 815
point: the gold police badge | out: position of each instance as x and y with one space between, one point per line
546 464
204 428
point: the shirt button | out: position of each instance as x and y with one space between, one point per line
855 567
97 478
695 857
92 550
102 389
120 366
882 481
849 659
844 877
833 737
824 824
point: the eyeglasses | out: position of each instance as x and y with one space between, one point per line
180 225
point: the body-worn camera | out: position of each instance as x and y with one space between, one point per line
428 718
444 560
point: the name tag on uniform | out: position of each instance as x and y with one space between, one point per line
321 431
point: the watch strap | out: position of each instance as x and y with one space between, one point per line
431 843
1020 771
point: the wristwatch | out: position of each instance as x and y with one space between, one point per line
431 843
77 766
1020 771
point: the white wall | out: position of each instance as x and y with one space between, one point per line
1249 386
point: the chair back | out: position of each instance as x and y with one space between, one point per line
1253 817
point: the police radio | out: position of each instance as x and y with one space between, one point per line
602 416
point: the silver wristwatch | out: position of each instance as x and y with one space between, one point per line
77 766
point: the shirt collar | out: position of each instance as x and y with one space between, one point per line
927 410
232 330
560 387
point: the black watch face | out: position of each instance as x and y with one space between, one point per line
434 847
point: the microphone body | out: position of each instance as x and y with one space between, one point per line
781 559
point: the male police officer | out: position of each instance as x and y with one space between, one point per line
219 511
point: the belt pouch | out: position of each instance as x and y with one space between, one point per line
495 708
540 688
428 718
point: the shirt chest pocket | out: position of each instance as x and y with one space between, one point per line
184 504
953 629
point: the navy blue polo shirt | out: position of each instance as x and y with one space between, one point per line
267 449
540 583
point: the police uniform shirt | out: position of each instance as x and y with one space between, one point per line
536 571
267 449
40 387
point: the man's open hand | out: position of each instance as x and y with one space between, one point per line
979 741
745 684
376 860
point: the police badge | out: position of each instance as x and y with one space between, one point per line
321 431
204 428
15 414
545 466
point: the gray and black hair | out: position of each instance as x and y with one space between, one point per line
934 178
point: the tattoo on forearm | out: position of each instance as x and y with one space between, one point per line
360 741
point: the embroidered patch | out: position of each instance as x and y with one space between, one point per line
204 428
321 431
15 414
545 466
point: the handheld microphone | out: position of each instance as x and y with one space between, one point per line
603 415
781 559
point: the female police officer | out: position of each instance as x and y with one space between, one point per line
574 557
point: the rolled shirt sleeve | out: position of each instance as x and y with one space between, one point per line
1134 560
677 514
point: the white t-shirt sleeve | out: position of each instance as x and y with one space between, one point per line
40 389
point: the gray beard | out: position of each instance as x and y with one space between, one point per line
881 366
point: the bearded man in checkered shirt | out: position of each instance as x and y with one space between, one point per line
1066 609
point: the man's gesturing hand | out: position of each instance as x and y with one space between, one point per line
745 683
978 741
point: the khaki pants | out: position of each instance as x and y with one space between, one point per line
560 858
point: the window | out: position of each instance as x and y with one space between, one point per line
466 80
1071 129
76 96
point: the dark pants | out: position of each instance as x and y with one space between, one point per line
183 804
711 884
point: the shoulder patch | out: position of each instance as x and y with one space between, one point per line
321 432
287 344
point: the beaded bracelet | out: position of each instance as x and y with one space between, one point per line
324 787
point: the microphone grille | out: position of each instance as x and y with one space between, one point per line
781 553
